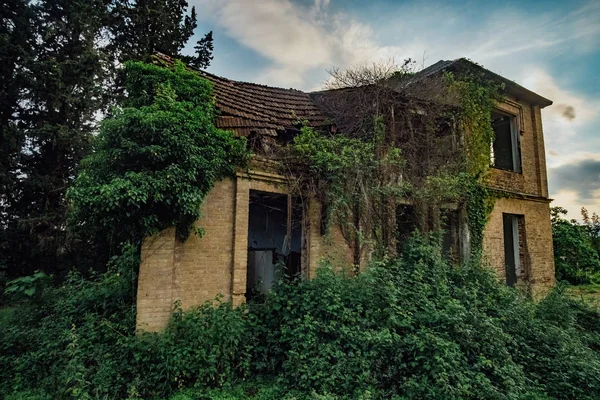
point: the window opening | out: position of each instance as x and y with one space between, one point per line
450 238
406 223
505 148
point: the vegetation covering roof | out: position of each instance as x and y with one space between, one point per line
461 63
249 107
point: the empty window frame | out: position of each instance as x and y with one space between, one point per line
274 240
514 247
505 148
450 239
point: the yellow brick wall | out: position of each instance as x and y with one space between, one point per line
201 268
539 268
155 283
192 272
331 247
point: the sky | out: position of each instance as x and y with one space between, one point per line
550 47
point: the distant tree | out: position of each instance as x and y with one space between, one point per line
576 260
592 225
203 55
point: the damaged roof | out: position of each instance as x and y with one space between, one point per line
247 108
510 87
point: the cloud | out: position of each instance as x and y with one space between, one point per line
576 185
294 38
568 112
582 177
299 41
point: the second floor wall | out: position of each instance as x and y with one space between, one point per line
529 176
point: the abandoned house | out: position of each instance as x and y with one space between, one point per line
257 229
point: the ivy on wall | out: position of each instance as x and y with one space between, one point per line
403 148
477 97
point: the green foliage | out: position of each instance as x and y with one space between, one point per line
54 75
575 257
356 180
144 27
28 286
418 328
61 69
74 341
415 327
79 341
208 345
477 96
155 159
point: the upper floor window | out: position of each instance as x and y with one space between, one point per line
506 152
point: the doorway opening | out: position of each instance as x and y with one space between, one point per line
274 240
514 247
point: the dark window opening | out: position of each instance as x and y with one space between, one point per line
505 148
324 221
274 240
406 223
450 238
514 247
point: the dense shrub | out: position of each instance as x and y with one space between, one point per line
156 157
415 327
576 252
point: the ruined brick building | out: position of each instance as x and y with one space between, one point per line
251 222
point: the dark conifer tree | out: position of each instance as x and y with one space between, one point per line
58 63
203 54
58 93
142 27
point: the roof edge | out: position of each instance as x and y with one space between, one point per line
510 86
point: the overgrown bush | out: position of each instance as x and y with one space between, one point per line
415 327
155 158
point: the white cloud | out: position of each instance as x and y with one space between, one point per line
297 39
569 199
294 38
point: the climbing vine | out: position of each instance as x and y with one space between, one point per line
477 96
393 146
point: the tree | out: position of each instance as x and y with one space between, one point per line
16 43
143 27
575 258
592 225
155 159
60 70
204 48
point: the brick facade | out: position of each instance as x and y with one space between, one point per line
203 267
528 197
538 256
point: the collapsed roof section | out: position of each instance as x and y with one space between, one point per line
250 108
